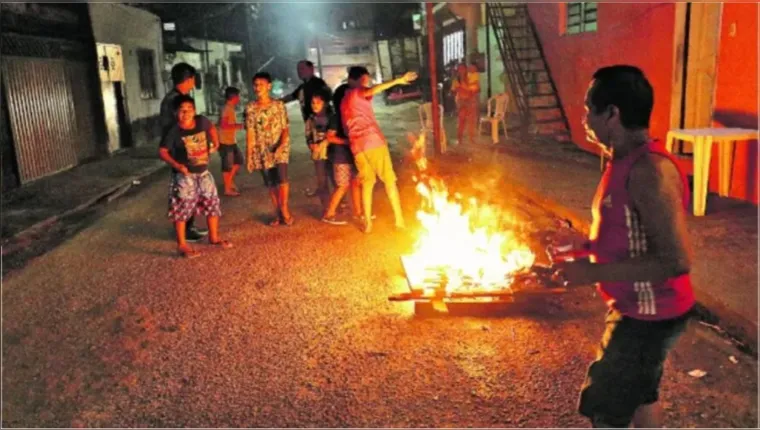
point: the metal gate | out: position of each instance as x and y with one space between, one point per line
43 119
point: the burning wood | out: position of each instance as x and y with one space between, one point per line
464 249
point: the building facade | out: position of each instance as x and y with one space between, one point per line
701 59
130 48
52 113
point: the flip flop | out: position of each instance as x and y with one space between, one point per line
226 244
231 193
275 222
290 221
189 253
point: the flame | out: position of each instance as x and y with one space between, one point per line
462 238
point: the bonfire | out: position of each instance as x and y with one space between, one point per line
464 245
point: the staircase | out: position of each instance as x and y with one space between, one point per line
541 113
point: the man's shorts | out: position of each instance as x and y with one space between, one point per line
194 194
375 163
628 368
231 156
276 176
343 174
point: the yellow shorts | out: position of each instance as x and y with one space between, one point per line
375 163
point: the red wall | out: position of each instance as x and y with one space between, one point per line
637 34
736 98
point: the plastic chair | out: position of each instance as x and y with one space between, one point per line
496 114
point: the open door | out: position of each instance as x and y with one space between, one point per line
696 45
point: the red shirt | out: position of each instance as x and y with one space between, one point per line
617 234
360 123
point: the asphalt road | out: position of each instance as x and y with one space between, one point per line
292 327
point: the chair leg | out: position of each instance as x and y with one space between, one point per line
702 155
495 132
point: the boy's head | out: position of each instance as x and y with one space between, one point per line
232 95
619 99
319 101
184 105
358 77
305 69
183 77
262 84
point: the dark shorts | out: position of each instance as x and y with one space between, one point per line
628 368
277 175
194 194
231 156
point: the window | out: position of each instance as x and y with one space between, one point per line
146 61
355 50
581 17
453 47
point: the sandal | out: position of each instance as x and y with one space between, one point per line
289 221
226 244
275 222
232 193
188 253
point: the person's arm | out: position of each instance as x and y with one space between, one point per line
379 88
164 154
214 137
285 135
655 187
250 136
292 96
332 132
309 132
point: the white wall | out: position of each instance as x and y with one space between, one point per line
132 29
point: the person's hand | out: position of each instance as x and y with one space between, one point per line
574 274
407 78
184 170
313 147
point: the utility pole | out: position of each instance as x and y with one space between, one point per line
435 110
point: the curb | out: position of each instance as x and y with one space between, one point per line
13 243
709 308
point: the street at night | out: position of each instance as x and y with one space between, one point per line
292 327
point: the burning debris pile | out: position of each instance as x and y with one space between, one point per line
465 247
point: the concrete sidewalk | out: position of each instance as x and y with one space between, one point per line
37 206
563 179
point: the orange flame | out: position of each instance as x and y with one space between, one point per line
464 241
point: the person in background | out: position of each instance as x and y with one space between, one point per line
311 85
637 253
367 142
466 89
187 147
183 78
267 139
229 152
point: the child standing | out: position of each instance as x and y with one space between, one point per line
187 147
326 144
229 152
267 138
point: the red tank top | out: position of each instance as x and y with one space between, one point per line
617 234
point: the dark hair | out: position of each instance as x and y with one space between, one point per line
231 92
182 72
308 63
183 98
262 75
627 88
322 94
357 72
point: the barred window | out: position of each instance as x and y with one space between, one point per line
146 61
581 17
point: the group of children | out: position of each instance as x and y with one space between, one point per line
350 164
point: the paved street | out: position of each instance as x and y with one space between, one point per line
292 327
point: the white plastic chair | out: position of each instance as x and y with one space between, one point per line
496 114
426 121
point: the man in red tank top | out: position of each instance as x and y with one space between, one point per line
638 253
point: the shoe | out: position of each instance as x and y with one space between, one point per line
192 236
334 220
199 231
